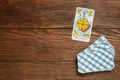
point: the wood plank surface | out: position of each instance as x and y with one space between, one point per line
48 44
36 44
51 71
56 13
38 54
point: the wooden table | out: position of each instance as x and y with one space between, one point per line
35 38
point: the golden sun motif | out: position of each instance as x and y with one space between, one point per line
83 24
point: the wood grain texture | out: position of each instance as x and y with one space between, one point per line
51 71
56 13
35 38
48 44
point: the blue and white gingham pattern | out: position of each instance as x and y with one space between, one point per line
97 57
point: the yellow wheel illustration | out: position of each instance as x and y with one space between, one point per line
83 24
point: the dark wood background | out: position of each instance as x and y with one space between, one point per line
35 38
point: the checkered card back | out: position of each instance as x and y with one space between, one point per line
97 57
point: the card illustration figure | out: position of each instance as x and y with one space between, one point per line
83 24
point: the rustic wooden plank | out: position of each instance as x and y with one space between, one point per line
56 13
51 71
48 44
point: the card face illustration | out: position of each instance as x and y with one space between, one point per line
83 24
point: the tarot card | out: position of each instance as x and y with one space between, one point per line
82 26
